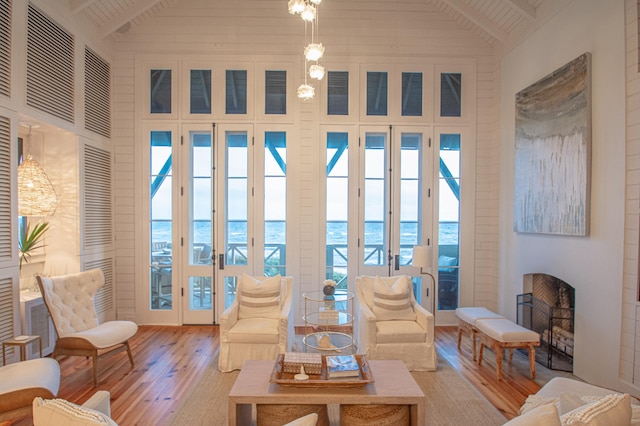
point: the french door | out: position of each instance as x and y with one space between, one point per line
378 198
396 175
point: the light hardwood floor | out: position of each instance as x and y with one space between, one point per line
169 361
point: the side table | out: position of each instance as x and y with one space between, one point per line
21 342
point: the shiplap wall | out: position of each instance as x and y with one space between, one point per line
353 32
630 335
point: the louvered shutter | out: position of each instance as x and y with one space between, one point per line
6 222
5 48
98 209
97 94
104 297
7 319
50 66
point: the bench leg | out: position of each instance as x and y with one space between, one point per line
499 355
532 361
459 336
473 344
481 352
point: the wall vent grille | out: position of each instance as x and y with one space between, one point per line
98 224
97 94
5 48
50 66
104 297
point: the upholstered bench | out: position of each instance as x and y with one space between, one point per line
500 334
467 318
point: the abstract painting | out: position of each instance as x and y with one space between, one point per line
553 152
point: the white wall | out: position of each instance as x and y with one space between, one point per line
593 265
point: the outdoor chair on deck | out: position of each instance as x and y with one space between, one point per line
259 322
70 301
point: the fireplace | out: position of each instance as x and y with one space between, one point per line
547 307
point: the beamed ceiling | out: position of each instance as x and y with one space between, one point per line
498 22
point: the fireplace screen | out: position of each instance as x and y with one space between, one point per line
549 311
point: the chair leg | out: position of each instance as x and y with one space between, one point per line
95 368
129 353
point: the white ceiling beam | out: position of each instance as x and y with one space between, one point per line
523 8
479 19
78 6
126 16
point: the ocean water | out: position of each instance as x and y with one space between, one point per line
336 233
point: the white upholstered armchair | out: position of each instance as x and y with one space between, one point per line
70 301
390 324
259 322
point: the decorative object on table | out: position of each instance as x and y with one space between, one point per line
282 378
328 287
324 342
293 361
552 152
342 366
302 375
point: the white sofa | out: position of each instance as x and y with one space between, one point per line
565 401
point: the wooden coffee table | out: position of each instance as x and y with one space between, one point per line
393 385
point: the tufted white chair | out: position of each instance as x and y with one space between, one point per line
70 301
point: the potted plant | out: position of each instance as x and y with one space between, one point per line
30 240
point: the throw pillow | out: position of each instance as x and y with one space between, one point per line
612 409
259 297
542 415
50 412
392 299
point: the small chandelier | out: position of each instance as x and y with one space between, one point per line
316 71
306 91
308 14
296 6
313 51
36 196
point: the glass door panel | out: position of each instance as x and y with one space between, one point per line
160 224
449 223
197 298
275 203
337 208
233 201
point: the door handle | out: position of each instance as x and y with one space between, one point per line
221 261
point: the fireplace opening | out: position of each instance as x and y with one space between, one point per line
547 307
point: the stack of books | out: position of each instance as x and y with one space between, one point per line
311 362
341 366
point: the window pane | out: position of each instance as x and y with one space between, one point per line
338 93
160 91
275 203
236 94
160 192
337 207
200 291
201 202
410 203
374 199
449 222
376 93
412 94
237 194
275 92
200 92
450 94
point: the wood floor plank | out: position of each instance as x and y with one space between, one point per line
170 360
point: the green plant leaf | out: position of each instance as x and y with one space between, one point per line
30 240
